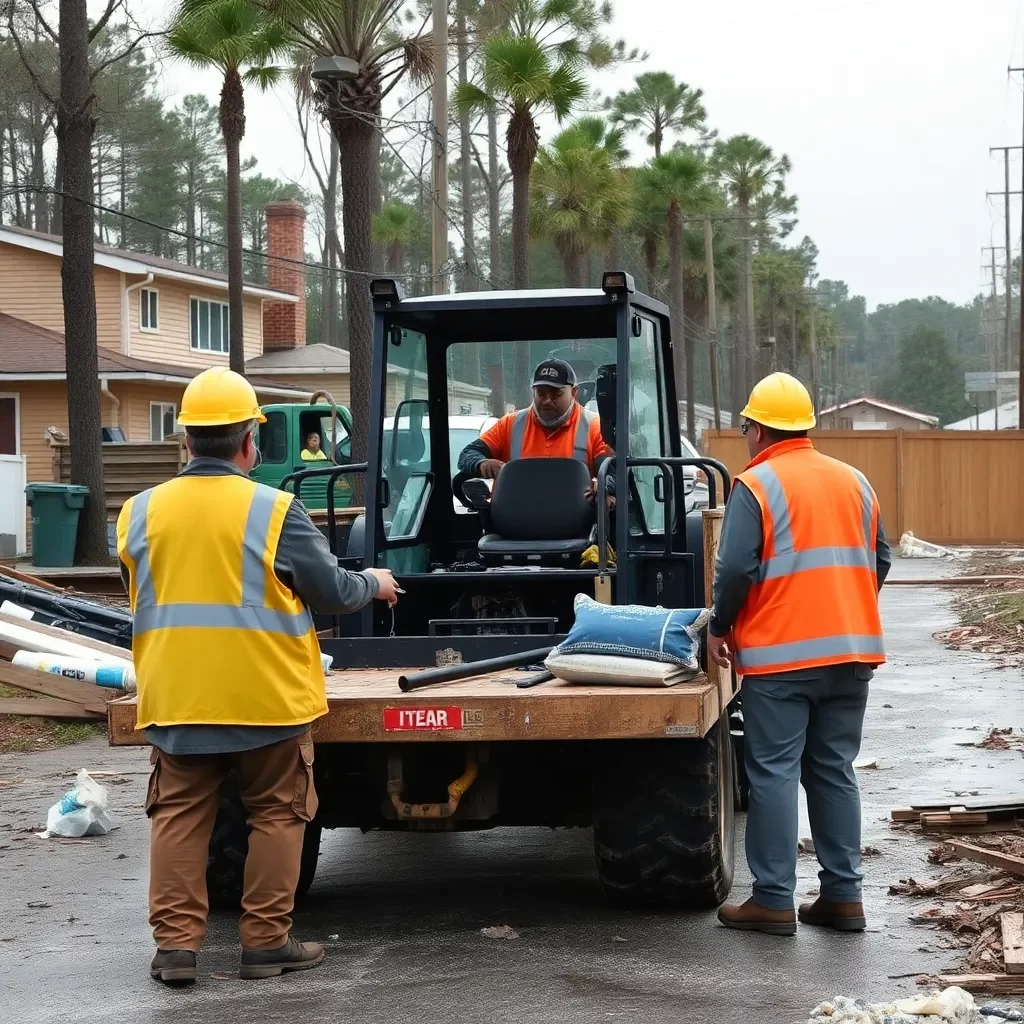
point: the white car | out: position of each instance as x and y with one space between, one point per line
462 430
695 480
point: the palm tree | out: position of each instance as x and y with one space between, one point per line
579 199
370 33
748 169
240 41
534 65
393 228
659 105
683 183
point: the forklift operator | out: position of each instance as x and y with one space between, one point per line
556 426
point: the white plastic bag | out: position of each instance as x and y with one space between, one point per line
82 811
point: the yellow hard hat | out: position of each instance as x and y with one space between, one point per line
219 397
780 402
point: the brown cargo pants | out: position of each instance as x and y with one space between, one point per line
277 789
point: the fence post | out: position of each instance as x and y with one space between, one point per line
900 505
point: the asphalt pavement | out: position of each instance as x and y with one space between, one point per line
401 915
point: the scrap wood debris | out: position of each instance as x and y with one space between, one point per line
973 903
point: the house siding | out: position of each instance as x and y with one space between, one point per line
30 289
172 342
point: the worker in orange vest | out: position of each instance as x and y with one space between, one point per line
801 561
555 426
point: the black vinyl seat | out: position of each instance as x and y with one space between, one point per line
539 512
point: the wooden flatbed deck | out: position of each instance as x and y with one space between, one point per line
366 706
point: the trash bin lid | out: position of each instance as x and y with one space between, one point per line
49 488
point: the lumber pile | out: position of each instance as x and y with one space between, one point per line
46 694
976 815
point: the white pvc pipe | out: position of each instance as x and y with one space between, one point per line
32 640
114 673
16 611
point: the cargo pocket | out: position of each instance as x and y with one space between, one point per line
305 803
153 787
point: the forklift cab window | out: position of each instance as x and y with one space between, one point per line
646 401
405 439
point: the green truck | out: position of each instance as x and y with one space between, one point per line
283 437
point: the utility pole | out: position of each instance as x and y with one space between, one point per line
1020 342
994 354
1003 359
439 165
709 264
814 356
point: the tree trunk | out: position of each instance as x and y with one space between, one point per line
494 197
41 219
574 264
123 177
329 321
74 132
355 135
748 299
232 124
792 337
470 273
376 199
190 217
19 216
521 229
651 263
57 207
682 357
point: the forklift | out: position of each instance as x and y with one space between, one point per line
439 718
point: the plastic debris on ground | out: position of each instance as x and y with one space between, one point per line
951 1006
82 811
914 547
499 931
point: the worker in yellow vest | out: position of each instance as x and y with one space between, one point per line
222 574
800 564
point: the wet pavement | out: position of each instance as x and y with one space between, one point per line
401 915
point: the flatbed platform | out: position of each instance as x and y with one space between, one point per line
366 706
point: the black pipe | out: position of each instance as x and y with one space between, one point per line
451 673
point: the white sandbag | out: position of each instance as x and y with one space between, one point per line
82 811
615 670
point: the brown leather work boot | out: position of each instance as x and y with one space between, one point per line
844 917
752 917
292 956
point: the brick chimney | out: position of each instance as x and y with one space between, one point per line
284 323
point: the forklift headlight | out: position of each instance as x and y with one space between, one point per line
617 281
386 289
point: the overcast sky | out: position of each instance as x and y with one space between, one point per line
886 109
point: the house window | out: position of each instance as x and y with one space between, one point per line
209 325
163 420
149 309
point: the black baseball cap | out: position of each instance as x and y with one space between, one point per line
554 373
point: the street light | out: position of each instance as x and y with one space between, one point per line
334 69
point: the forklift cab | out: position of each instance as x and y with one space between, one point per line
512 559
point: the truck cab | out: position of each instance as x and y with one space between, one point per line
282 440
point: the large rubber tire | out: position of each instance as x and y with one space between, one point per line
664 820
229 845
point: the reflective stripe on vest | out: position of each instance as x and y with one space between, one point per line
252 613
809 650
580 444
786 560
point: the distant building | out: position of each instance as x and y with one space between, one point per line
1005 417
704 418
867 413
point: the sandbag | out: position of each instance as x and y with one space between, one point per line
615 670
669 635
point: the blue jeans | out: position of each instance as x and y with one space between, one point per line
804 728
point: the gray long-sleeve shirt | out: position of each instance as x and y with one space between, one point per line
740 552
304 564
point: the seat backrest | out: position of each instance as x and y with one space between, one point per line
542 499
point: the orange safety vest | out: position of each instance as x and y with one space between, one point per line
519 435
815 601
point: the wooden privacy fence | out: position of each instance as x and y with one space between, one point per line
948 487
128 468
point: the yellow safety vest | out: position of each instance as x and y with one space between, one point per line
218 639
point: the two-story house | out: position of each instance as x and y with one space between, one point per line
159 323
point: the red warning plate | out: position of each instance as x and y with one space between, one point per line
422 719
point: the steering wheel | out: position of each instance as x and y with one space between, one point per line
474 503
